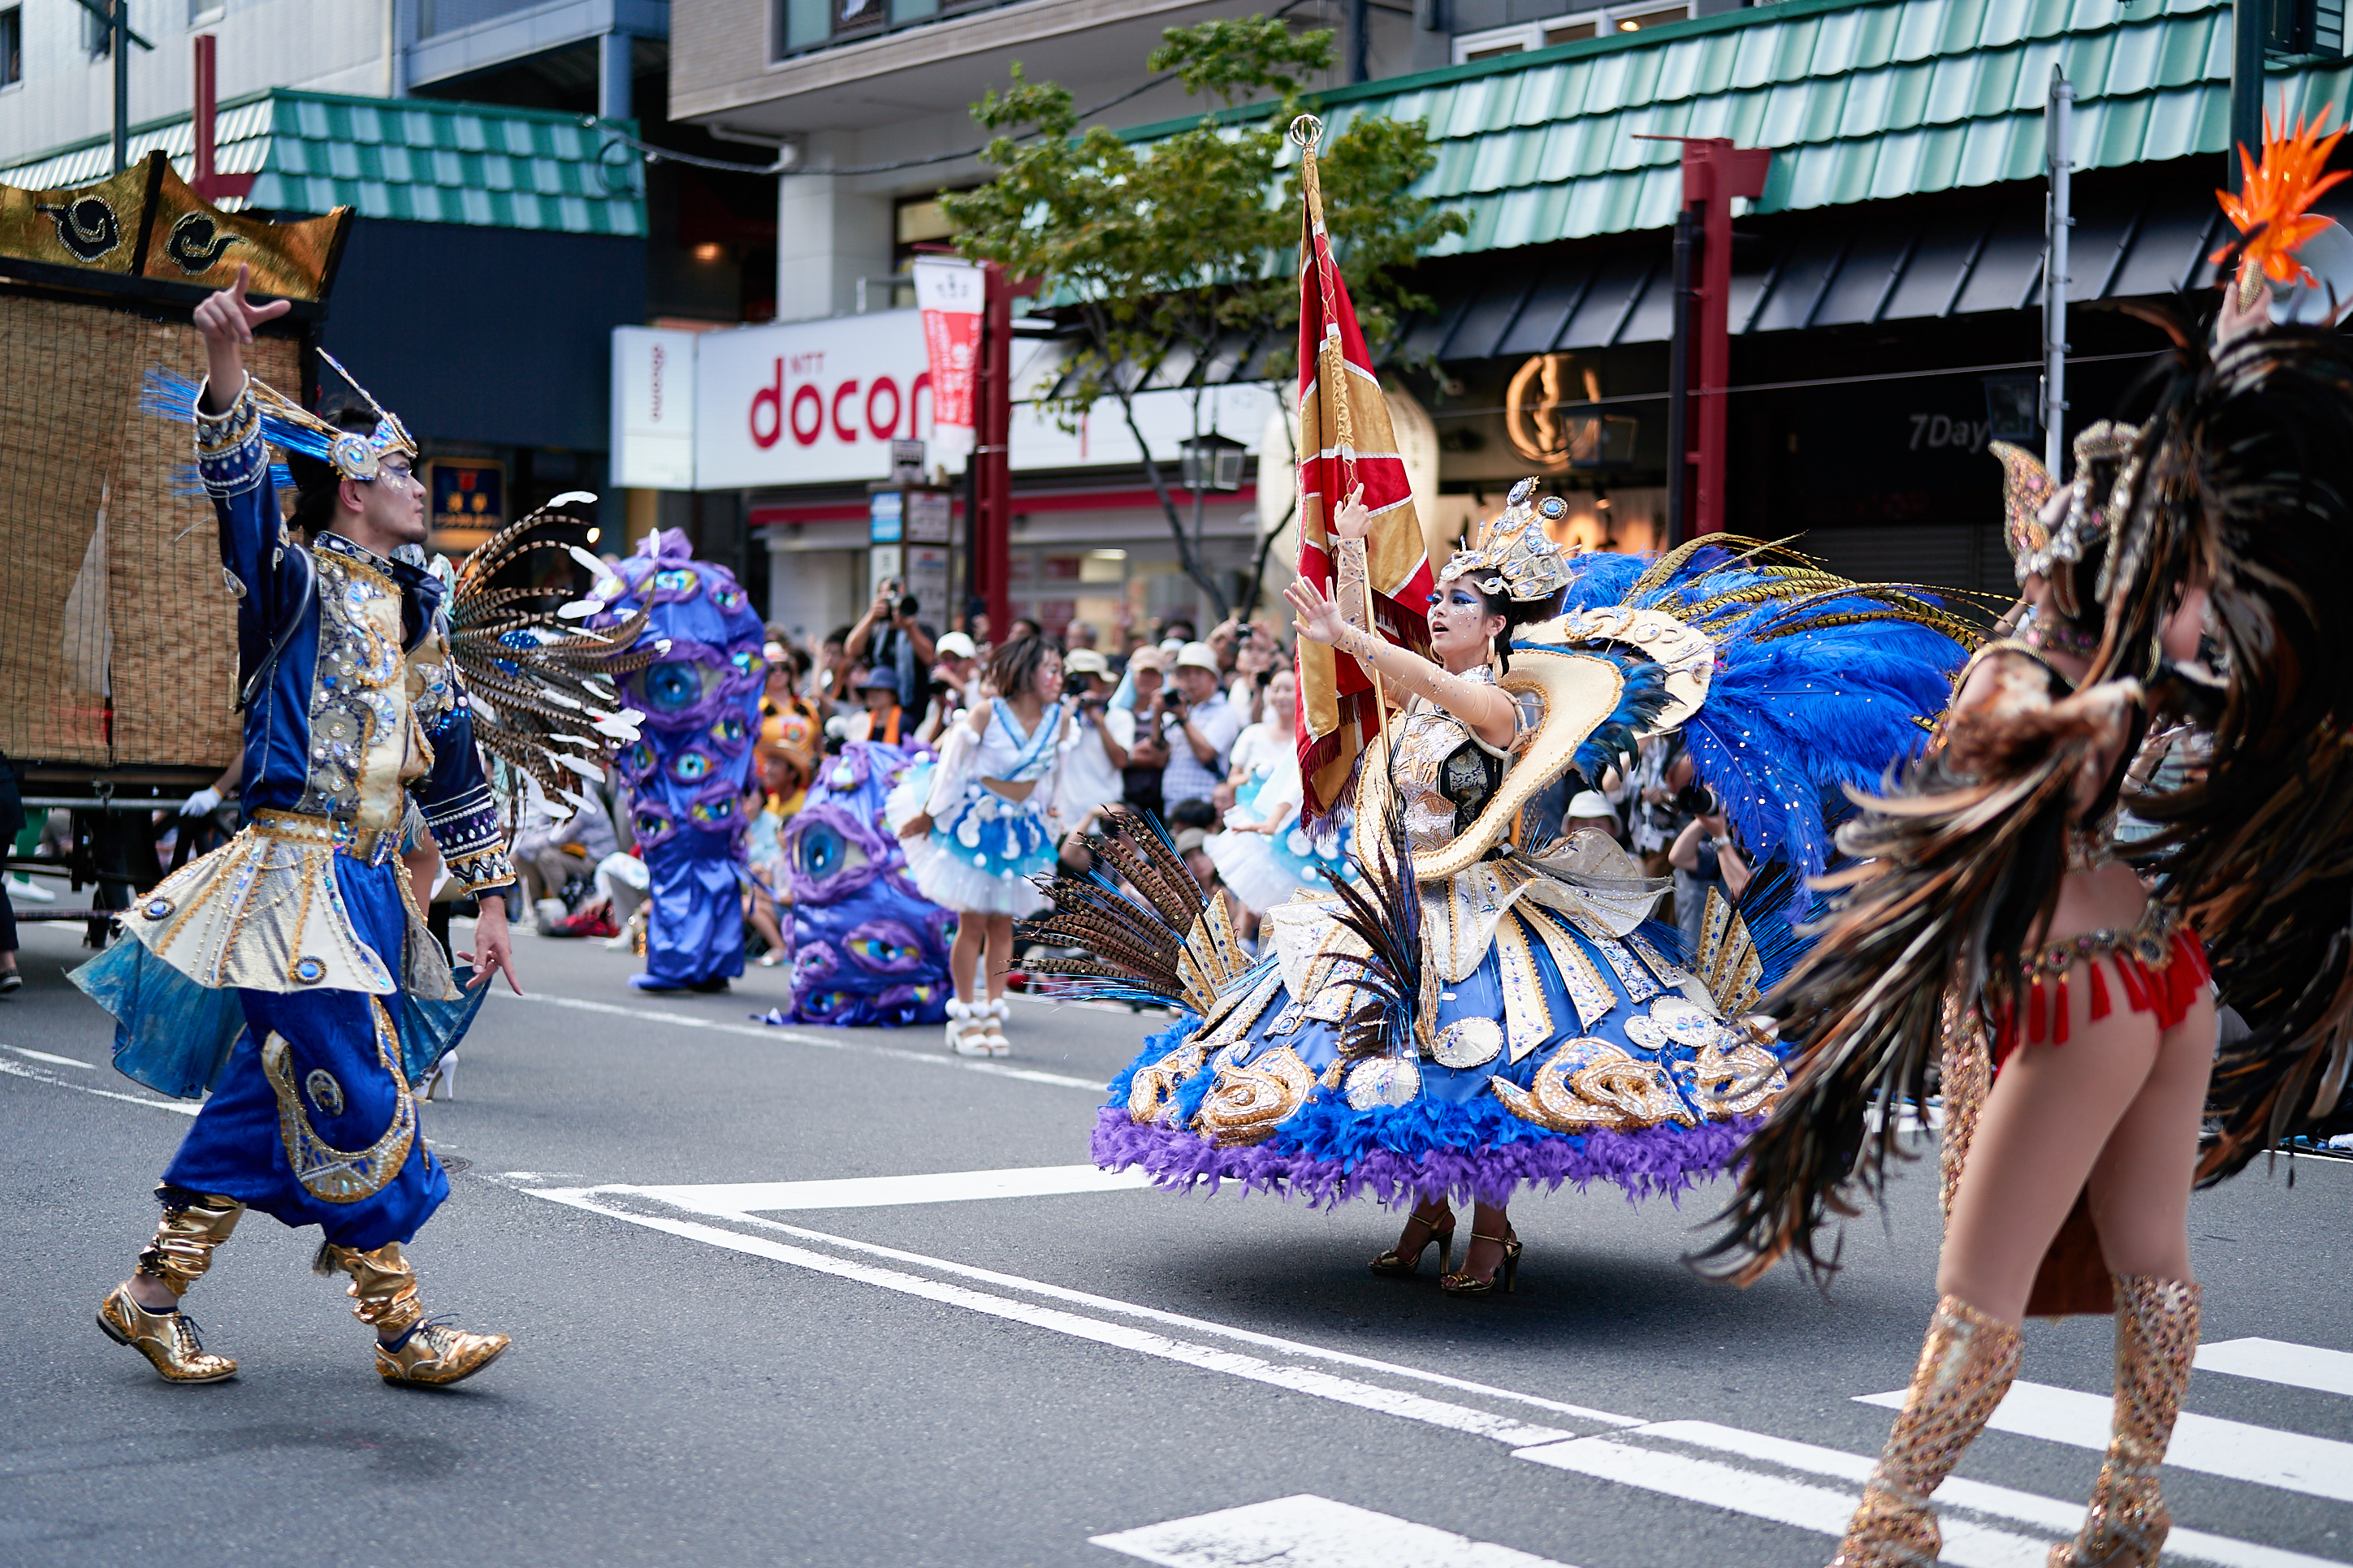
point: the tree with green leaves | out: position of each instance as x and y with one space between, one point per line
1174 260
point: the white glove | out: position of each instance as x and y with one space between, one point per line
203 803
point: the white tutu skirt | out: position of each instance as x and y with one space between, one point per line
980 855
1266 869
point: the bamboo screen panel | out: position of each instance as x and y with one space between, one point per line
112 582
172 619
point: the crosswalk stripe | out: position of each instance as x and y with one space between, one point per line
42 1075
879 1192
2292 1462
2061 1519
1760 1496
1309 1531
2276 1361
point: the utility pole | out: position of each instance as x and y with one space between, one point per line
2250 32
2058 217
116 15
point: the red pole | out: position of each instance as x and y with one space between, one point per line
1715 172
205 99
992 530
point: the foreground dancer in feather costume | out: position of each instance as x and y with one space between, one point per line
1478 1015
289 972
1991 904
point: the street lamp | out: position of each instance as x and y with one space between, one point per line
1213 462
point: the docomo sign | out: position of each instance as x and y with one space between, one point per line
809 401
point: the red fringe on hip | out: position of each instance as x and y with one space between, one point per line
2165 991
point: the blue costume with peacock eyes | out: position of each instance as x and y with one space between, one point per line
867 947
688 771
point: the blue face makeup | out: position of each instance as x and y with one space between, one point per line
1456 597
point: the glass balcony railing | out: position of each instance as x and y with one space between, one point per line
437 16
806 24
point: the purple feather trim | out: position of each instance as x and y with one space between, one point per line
1663 1160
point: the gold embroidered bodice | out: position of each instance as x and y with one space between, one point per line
1444 775
365 742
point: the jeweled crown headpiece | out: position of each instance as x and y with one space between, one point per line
2104 448
1512 553
353 454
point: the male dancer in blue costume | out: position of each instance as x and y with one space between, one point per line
355 728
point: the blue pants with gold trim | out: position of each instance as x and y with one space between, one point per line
309 1121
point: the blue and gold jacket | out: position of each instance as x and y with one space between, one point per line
353 709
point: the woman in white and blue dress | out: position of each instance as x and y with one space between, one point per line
982 821
1264 857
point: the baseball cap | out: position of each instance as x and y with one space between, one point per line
1588 803
1084 661
1197 656
880 679
1147 657
955 645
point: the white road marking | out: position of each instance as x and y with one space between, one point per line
939 1058
2292 1462
2062 1519
1174 1319
1309 1531
734 1198
177 1107
1626 1456
31 1054
1298 1380
2275 1360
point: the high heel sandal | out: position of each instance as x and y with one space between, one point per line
1394 1264
1507 1265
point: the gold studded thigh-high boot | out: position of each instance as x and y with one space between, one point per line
2157 1338
1966 1367
420 1350
193 1225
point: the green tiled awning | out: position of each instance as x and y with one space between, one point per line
421 159
1859 101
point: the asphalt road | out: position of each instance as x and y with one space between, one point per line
712 1368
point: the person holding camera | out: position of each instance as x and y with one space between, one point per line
1147 751
1703 856
887 636
1095 756
1198 724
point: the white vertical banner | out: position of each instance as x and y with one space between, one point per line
653 408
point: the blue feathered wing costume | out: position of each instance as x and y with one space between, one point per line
1482 1013
867 947
688 771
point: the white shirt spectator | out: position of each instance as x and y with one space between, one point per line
1187 777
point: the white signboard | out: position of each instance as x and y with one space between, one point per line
810 402
653 409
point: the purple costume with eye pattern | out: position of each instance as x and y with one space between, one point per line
867 947
688 770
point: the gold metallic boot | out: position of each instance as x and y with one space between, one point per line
193 1225
423 1352
1966 1367
2157 1338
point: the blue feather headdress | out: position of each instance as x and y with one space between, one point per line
1816 683
290 427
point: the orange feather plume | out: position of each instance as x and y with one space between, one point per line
2271 211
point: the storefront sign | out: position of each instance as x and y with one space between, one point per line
810 402
950 294
884 512
467 497
653 408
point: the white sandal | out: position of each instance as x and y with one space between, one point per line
966 1036
993 1040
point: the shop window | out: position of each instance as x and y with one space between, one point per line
1578 27
12 45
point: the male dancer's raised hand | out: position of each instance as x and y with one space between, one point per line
227 319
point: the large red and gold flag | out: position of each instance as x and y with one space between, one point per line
1345 440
